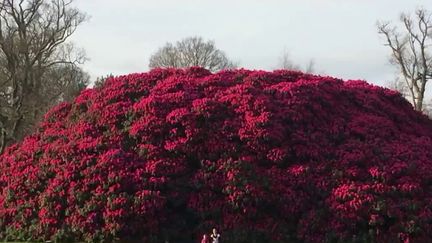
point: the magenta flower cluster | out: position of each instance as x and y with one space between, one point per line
277 156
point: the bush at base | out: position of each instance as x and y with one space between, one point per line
265 156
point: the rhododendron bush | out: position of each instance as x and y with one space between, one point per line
267 156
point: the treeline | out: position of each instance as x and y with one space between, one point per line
38 66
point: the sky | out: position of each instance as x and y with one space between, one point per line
339 35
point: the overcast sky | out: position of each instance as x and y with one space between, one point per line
340 35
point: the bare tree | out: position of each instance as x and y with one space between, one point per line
191 51
64 83
427 109
100 81
399 85
310 67
38 67
285 62
410 52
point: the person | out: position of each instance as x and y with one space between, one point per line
215 236
204 239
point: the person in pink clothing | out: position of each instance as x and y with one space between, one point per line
204 239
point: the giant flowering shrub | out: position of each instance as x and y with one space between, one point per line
267 156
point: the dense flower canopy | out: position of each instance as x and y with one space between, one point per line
271 156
